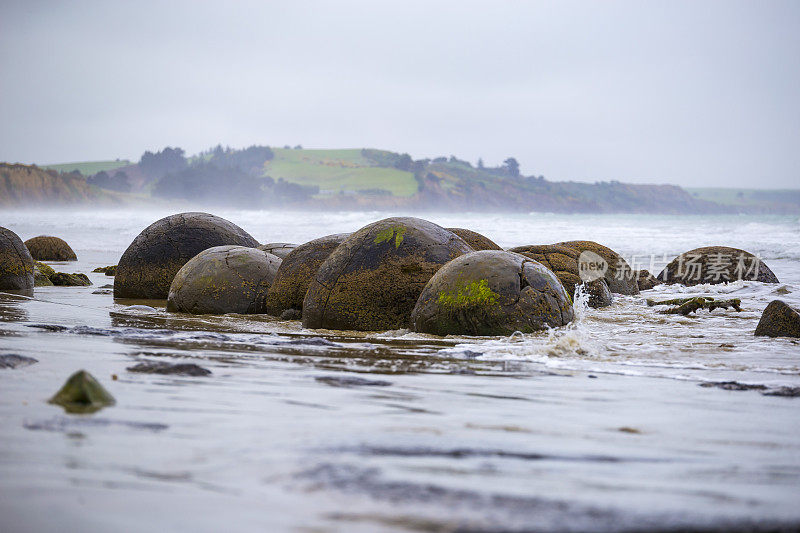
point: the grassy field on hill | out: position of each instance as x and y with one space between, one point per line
755 198
337 171
87 168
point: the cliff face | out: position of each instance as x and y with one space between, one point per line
30 185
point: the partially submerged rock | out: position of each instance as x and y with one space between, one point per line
475 239
685 306
223 279
279 249
42 274
148 266
716 264
12 360
107 270
645 280
62 279
49 248
779 320
619 276
491 293
82 393
16 263
171 369
373 279
298 268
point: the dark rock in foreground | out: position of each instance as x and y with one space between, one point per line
148 266
62 279
159 367
475 239
12 360
48 248
716 264
373 279
491 293
81 394
16 263
779 320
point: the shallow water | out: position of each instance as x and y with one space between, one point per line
602 425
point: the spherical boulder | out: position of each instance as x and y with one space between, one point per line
223 279
563 262
475 239
147 267
281 249
16 263
619 276
716 264
491 293
298 268
373 279
779 320
47 248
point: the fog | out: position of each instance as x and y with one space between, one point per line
696 94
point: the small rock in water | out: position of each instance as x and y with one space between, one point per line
779 320
471 355
143 308
63 279
626 429
82 394
292 314
12 360
160 367
349 381
313 341
103 291
108 270
786 392
733 385
107 286
48 327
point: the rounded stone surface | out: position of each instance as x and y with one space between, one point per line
148 266
372 280
16 263
298 268
779 320
645 280
48 248
619 276
716 264
491 293
280 249
223 279
475 239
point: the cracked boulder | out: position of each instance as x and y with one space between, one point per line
297 269
716 264
148 266
280 249
372 280
48 248
223 279
475 239
491 293
16 263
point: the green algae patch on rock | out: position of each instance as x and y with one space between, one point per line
62 279
298 268
779 320
279 249
491 292
714 265
16 263
49 248
372 280
82 394
476 241
148 266
223 279
42 274
107 270
619 275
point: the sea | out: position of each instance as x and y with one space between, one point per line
625 420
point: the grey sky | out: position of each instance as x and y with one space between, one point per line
694 93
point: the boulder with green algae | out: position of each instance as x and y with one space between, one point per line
475 240
107 270
491 293
685 306
148 266
82 393
16 263
619 276
42 274
223 279
372 280
563 262
716 264
779 320
298 268
62 279
49 248
280 249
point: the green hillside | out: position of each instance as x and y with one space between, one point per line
87 168
335 171
751 200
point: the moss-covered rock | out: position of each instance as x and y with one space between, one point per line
82 393
619 275
716 264
645 280
42 274
373 279
298 268
48 248
16 263
491 293
107 270
148 266
62 279
779 320
475 239
280 249
223 279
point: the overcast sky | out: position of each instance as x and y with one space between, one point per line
693 93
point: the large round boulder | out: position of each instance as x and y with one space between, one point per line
16 263
48 248
288 289
475 239
223 279
563 262
148 266
619 276
281 249
779 320
716 264
491 293
373 279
